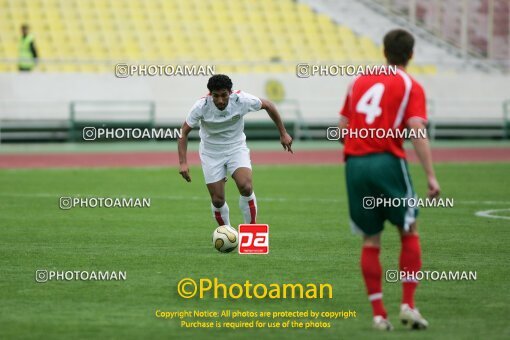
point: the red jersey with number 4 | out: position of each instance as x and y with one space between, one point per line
382 102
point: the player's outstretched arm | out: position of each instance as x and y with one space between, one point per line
285 138
422 148
182 147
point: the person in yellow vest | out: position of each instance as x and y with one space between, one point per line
27 51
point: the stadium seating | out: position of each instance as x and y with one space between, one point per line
238 36
443 18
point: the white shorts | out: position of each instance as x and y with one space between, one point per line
217 163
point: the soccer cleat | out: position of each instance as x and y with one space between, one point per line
382 324
412 317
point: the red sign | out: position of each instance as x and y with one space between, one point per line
253 239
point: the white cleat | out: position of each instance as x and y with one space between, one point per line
382 324
411 317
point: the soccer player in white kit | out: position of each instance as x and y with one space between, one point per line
223 149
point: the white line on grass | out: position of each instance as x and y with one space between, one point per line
485 202
206 198
489 214
173 197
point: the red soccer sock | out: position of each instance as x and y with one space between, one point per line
372 274
410 262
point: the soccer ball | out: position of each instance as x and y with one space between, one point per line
225 239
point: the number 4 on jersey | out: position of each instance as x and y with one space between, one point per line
369 103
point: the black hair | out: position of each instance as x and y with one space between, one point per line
398 47
219 82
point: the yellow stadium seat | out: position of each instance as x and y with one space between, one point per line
244 32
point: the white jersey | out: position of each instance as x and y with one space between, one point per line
222 129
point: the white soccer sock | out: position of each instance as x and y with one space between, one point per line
248 207
221 214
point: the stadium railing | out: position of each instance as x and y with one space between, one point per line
39 121
257 128
109 114
506 122
450 118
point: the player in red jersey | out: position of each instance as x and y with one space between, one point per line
377 168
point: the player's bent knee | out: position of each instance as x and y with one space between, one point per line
218 201
245 186
246 189
372 240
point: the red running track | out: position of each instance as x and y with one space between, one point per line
151 159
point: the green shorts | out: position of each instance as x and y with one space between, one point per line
378 186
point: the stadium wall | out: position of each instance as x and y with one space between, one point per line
37 96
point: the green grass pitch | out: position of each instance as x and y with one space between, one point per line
310 241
